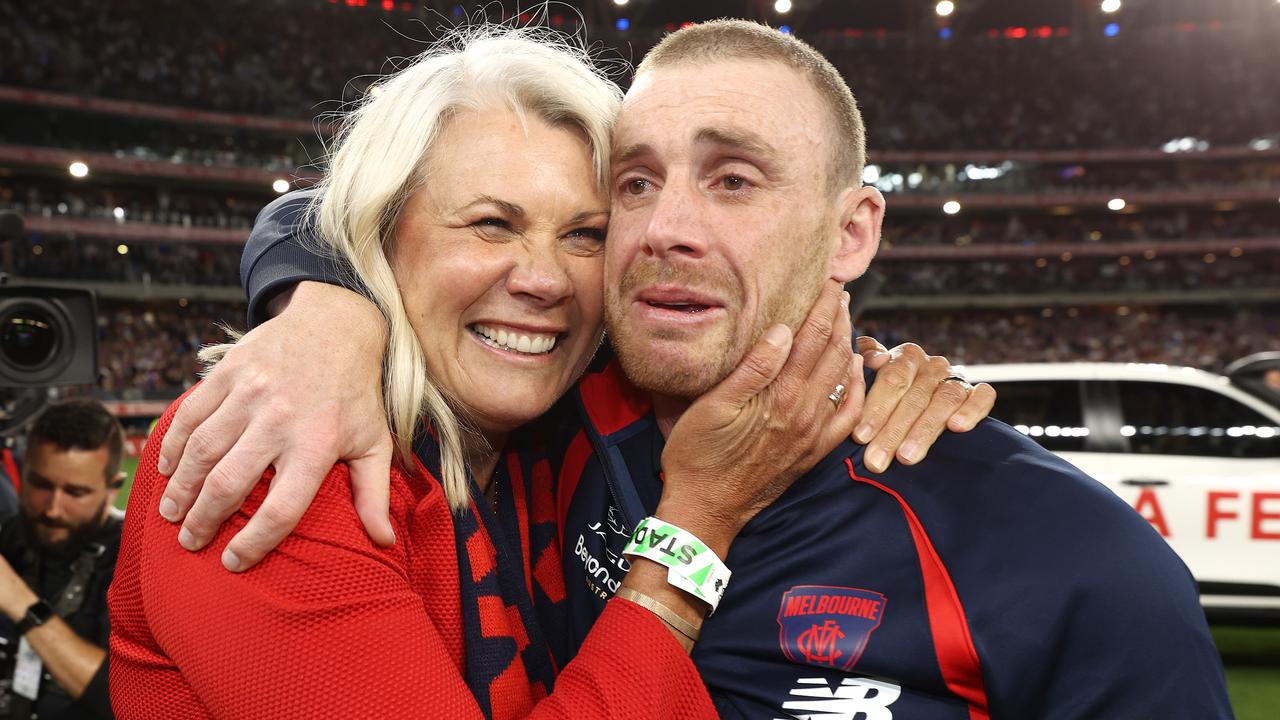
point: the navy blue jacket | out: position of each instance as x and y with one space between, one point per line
992 580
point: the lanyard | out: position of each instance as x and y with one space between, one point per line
71 597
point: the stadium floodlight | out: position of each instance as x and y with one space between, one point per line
281 186
951 207
1110 6
945 8
782 6
620 3
1116 204
78 169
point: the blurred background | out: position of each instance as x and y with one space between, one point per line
1067 180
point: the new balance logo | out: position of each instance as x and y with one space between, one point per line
852 699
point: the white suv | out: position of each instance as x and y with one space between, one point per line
1196 454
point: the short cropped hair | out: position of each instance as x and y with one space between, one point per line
80 424
744 40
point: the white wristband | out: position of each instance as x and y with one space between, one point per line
691 565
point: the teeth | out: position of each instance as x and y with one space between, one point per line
534 344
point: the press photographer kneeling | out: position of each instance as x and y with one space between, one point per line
59 555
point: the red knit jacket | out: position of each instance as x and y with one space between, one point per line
332 626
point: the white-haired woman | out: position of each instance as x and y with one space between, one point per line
469 199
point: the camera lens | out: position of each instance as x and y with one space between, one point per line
28 337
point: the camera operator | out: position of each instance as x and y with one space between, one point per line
59 555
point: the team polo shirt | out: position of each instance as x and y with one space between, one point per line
991 580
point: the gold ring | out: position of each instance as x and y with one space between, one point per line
836 396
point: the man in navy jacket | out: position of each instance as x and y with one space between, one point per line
990 580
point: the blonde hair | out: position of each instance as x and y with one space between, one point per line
717 40
382 159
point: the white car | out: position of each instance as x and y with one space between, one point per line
1196 454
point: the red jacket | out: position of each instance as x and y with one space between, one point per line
332 626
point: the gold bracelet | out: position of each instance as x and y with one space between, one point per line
669 616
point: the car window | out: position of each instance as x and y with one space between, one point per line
1047 410
1170 419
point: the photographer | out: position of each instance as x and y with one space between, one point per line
59 555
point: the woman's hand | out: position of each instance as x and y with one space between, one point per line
286 396
740 445
914 398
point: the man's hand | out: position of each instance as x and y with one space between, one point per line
300 392
15 596
914 398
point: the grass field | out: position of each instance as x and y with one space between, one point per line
129 465
1252 655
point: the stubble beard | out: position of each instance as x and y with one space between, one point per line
78 536
702 361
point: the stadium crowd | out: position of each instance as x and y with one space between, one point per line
1064 273
247 56
903 227
150 139
217 265
141 263
260 57
1175 173
1203 337
158 205
1138 90
149 351
255 56
1042 228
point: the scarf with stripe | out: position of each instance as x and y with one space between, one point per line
511 580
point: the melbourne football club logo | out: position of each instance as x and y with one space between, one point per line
828 626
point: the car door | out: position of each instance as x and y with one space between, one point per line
1203 467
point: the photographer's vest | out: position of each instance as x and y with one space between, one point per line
84 577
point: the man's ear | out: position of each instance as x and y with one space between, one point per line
114 485
861 213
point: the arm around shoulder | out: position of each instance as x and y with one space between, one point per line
332 625
283 250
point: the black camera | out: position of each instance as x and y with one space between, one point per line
48 336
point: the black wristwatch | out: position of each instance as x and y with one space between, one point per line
37 615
